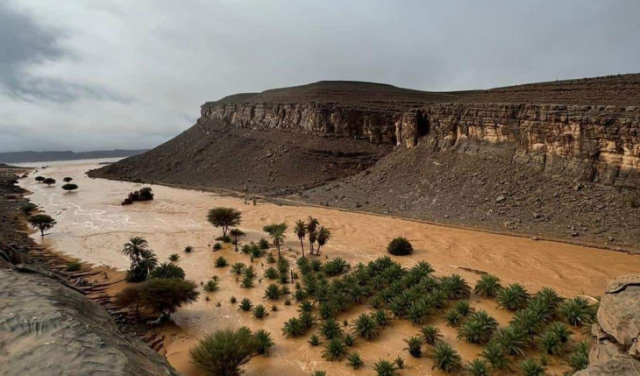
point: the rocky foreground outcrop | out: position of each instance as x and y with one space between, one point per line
48 328
615 347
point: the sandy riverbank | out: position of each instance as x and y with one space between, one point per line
92 226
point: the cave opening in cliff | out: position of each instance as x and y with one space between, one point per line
423 124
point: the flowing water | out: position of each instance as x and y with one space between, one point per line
93 226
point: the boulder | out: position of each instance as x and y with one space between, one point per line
614 347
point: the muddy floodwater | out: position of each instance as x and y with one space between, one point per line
93 226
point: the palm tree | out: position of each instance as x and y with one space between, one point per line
133 249
236 233
324 235
301 231
277 234
312 225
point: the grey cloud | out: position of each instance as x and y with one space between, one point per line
23 42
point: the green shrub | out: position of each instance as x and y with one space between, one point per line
272 292
174 257
238 268
446 358
293 328
381 317
335 349
530 367
259 312
314 340
365 327
478 328
224 352
513 297
579 357
167 270
478 367
271 273
263 244
550 343
264 341
221 262
217 246
512 339
336 267
399 362
576 311
73 266
414 346
400 247
247 282
453 317
430 334
355 360
349 340
211 286
245 304
455 287
496 355
488 286
385 368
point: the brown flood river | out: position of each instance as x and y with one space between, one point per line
93 226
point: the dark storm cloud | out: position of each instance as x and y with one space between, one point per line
23 42
87 74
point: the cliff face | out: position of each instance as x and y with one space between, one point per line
594 143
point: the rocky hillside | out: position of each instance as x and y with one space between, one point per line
549 136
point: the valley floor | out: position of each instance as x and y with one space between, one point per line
92 226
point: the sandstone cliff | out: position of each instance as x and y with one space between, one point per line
615 349
597 142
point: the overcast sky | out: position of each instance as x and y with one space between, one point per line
102 74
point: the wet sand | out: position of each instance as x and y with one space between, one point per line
92 226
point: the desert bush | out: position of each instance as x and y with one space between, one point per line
233 300
237 268
381 317
307 320
399 361
463 308
264 341
513 297
211 286
478 367
165 296
335 267
306 306
496 355
293 328
263 244
550 343
365 327
478 328
70 187
400 247
446 358
453 317
355 360
221 262
28 208
314 340
530 367
330 329
488 286
272 292
174 257
271 273
167 270
49 181
73 266
385 368
247 282
40 179
579 357
414 346
455 287
561 330
259 311
417 313
529 320
549 297
430 334
334 350
188 249
512 339
349 340
245 304
217 246
576 311
224 352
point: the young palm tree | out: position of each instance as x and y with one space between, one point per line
324 235
236 233
301 232
312 225
133 249
277 234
